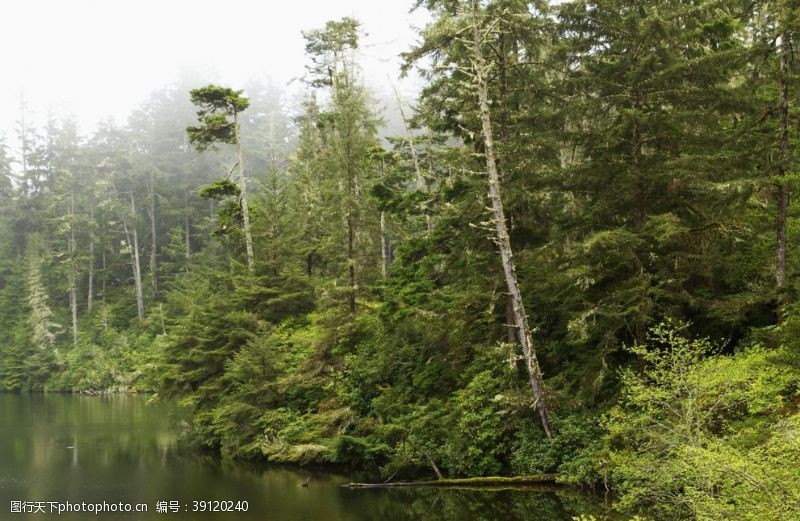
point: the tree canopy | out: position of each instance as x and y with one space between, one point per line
579 258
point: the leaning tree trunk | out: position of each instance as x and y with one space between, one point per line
502 238
420 179
248 238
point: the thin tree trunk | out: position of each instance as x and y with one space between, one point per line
248 238
427 457
137 268
420 180
103 292
73 274
384 257
153 238
90 291
384 240
132 237
503 241
187 232
783 193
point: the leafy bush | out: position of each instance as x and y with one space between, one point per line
107 365
700 437
478 441
572 452
360 452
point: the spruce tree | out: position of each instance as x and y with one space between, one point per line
219 123
348 133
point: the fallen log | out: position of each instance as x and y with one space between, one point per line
489 481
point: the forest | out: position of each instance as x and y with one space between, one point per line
578 256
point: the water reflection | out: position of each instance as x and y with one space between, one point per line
112 449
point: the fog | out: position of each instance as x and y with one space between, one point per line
96 59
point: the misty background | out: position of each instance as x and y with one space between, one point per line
94 60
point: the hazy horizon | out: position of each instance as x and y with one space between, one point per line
93 60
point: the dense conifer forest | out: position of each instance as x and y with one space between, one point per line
579 256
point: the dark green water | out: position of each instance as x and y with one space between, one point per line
81 449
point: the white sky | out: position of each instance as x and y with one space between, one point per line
100 58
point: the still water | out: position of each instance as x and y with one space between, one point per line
112 450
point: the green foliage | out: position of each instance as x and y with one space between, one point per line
43 328
359 452
696 436
478 439
108 363
217 105
574 453
219 190
636 144
327 45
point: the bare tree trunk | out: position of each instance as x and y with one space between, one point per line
248 238
73 274
783 162
503 240
384 257
502 125
427 457
187 232
384 241
137 268
511 331
132 237
151 211
90 291
420 180
103 290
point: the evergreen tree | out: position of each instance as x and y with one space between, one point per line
348 134
655 178
219 118
43 328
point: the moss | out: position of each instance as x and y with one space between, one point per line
481 482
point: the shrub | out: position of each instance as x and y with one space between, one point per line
705 438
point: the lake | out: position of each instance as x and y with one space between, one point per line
119 452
